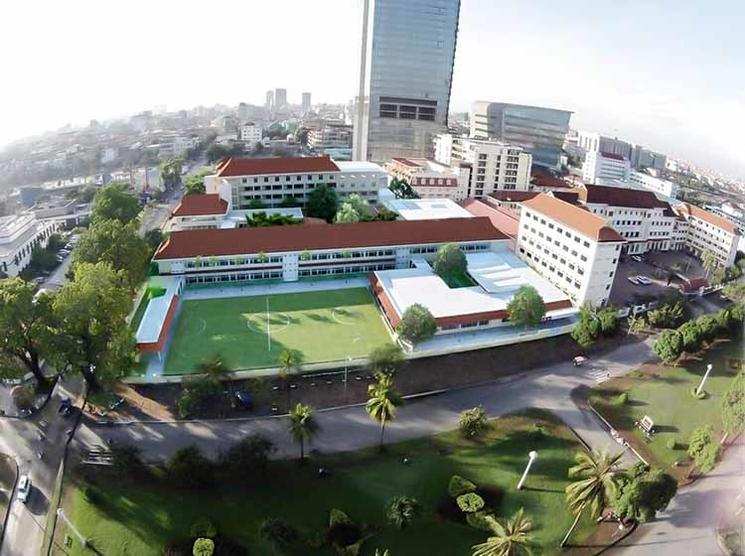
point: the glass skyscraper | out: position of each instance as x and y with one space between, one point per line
540 131
406 67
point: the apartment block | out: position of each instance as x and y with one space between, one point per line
251 133
590 141
665 188
330 136
430 179
709 232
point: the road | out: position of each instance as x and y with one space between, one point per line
23 439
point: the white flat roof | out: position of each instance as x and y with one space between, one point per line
427 209
357 166
155 314
498 273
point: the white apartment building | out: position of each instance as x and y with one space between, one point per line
272 180
572 248
710 232
666 188
605 168
251 133
494 165
330 136
647 223
19 234
430 179
589 141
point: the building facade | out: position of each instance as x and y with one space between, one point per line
707 231
251 133
590 141
280 99
665 188
269 102
539 131
330 136
406 67
305 103
605 168
19 235
430 179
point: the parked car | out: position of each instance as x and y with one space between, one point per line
24 488
243 400
637 258
633 280
643 280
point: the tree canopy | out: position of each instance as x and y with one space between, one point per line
642 493
114 202
416 324
526 308
322 203
194 184
669 345
449 260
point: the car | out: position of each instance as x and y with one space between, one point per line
637 258
243 400
39 280
24 488
643 280
633 280
64 251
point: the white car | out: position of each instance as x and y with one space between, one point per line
633 280
643 280
24 488
637 258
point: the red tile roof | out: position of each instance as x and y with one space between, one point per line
279 239
577 218
544 180
503 220
568 196
620 197
513 196
710 217
232 167
201 204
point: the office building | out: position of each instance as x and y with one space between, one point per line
251 133
280 99
305 104
330 136
406 67
269 103
539 131
644 158
590 141
605 168
665 188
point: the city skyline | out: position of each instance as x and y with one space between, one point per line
653 78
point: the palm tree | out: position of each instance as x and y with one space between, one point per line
595 484
510 539
289 362
214 369
382 402
402 510
709 261
302 427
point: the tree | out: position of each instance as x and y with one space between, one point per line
382 402
703 448
709 261
213 369
92 336
386 359
153 239
708 325
401 511
449 260
322 203
594 485
194 184
588 327
170 172
247 456
608 319
302 427
526 308
690 333
189 468
669 346
114 202
473 422
289 363
733 406
402 190
278 533
642 493
27 330
417 324
289 202
346 214
127 461
510 539
735 292
203 547
117 244
637 324
55 243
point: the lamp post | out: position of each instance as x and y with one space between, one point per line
531 458
346 379
72 528
706 375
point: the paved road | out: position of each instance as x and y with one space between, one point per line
24 439
688 525
350 428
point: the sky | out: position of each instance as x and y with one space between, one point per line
666 74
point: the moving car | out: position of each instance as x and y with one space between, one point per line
24 488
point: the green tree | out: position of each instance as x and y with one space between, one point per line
114 202
402 190
449 260
669 346
189 468
401 511
733 406
347 214
593 487
588 327
608 319
153 238
690 333
387 358
290 202
203 547
170 172
278 533
92 336
27 330
709 261
735 292
117 244
511 539
637 324
213 369
302 426
382 402
194 184
526 308
289 363
708 326
642 493
473 422
247 456
322 203
417 324
703 448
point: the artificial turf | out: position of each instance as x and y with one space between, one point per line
135 518
322 326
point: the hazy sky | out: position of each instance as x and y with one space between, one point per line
662 73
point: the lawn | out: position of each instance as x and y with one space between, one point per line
140 519
322 326
663 393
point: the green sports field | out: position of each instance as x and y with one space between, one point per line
251 332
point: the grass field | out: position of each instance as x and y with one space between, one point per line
663 393
322 326
141 518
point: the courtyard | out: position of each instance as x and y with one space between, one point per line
250 332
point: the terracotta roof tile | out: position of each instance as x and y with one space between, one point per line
710 217
513 196
279 239
620 197
201 204
577 218
503 220
232 167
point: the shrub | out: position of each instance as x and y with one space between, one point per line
342 531
127 461
700 395
669 345
671 444
537 432
470 502
703 448
194 395
93 495
478 520
691 335
247 456
402 510
189 468
203 547
203 527
473 422
621 399
278 533
458 486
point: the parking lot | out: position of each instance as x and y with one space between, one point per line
655 267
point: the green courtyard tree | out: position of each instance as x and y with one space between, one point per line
346 214
473 422
383 399
709 261
302 426
170 172
709 326
449 260
642 493
608 319
735 292
92 336
690 333
322 203
417 324
588 326
114 202
27 331
669 346
703 448
511 539
194 184
387 358
733 406
526 308
203 547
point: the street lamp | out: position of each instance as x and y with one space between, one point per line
531 457
346 378
706 375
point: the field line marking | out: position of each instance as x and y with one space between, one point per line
268 328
